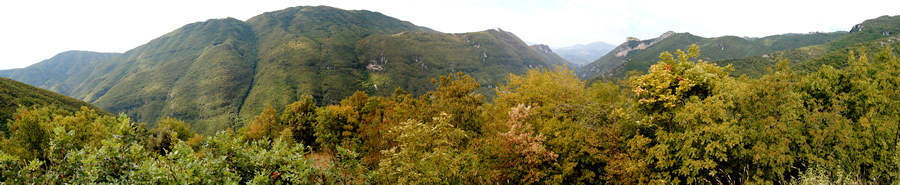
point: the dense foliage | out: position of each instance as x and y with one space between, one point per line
685 121
14 94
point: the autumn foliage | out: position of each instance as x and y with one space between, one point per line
686 121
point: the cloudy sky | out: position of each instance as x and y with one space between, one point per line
35 30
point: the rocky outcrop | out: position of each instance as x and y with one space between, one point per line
624 48
543 48
856 28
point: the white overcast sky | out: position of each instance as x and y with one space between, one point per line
34 30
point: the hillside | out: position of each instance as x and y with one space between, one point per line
873 35
52 73
220 73
553 57
636 54
14 94
409 60
583 54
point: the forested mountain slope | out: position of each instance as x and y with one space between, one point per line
409 60
636 54
219 73
869 37
14 94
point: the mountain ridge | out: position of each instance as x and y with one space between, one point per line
636 54
868 37
51 73
220 73
14 94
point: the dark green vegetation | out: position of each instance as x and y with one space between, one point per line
218 74
637 54
686 121
14 95
409 60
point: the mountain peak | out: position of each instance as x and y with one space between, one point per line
632 43
218 73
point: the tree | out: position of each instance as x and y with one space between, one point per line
170 131
266 125
524 157
670 83
687 118
562 113
336 125
455 95
300 117
428 153
31 131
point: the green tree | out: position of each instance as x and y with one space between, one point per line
561 112
30 132
300 117
428 153
170 131
456 96
336 126
687 118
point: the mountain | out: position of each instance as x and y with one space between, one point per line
584 53
51 73
6 72
220 73
552 57
870 36
14 94
409 60
636 54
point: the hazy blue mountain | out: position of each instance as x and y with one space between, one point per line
53 73
584 53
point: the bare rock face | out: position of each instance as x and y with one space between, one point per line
544 48
624 48
856 28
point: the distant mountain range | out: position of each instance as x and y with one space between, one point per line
582 54
219 73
